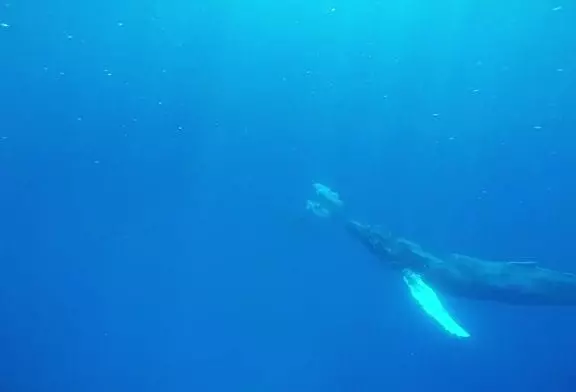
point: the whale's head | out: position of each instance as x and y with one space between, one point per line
378 241
396 252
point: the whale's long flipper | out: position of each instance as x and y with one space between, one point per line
430 303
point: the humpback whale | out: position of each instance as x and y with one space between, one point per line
512 282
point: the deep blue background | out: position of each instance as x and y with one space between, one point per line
155 157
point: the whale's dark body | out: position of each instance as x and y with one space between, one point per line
521 283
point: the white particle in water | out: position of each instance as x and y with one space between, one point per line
4 25
559 8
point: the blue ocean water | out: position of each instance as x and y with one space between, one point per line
155 160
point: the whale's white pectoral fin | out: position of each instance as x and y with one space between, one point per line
430 303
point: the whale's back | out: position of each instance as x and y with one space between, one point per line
523 283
